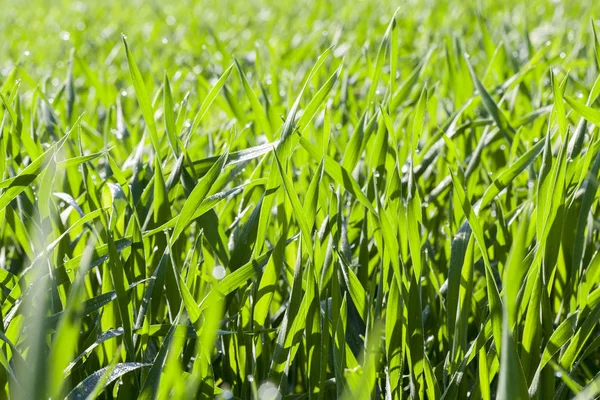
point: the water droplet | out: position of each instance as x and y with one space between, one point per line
64 35
26 53
219 272
268 391
165 40
171 20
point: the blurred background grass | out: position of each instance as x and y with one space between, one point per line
197 36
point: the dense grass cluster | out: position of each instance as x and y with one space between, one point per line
299 200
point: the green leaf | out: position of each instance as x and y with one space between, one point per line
305 228
196 197
259 111
494 302
151 383
104 376
507 175
170 116
586 112
142 97
209 99
596 43
492 108
559 105
16 185
511 384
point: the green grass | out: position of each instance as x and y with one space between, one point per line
300 200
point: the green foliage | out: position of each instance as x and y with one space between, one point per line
299 200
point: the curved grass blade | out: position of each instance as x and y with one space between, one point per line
142 97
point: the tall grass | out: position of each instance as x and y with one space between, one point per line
299 201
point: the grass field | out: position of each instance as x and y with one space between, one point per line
299 200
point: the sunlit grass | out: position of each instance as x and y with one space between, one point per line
299 200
